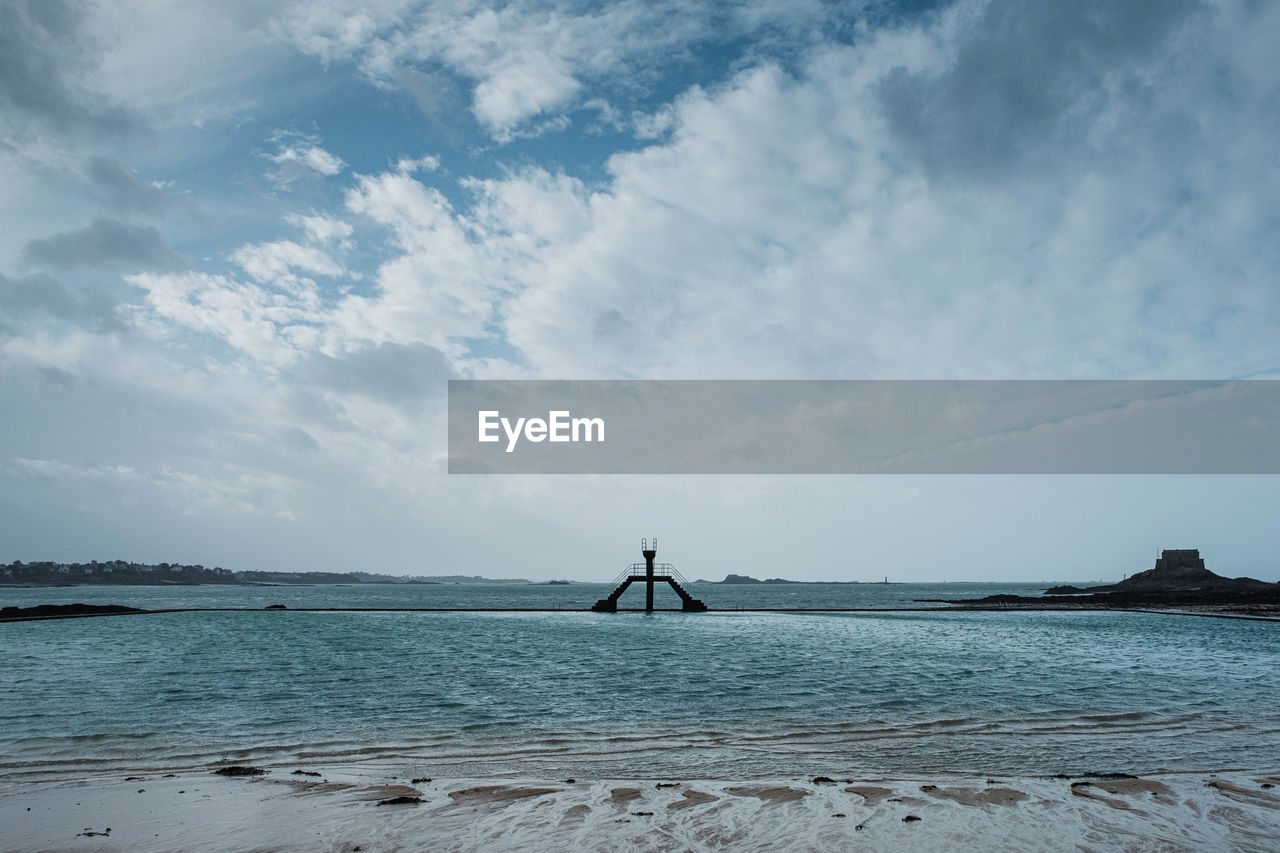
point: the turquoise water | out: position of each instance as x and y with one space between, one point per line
728 694
573 597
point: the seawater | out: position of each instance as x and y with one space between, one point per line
725 694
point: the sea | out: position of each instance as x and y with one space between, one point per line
756 688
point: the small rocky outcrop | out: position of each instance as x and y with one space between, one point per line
54 611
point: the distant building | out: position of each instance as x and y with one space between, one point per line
1180 559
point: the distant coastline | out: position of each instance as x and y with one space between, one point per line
747 580
121 573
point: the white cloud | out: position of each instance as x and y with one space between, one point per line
275 262
443 284
231 491
790 225
322 229
251 319
185 62
425 163
61 470
785 230
652 125
313 157
523 59
339 29
299 154
787 225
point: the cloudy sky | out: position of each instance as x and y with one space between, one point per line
245 245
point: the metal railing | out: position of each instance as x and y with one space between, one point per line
660 570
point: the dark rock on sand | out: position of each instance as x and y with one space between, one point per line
910 818
275 607
305 773
400 801
239 770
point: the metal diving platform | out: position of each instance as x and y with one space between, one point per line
649 573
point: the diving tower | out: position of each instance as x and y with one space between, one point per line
648 574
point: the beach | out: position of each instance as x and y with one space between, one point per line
491 730
348 810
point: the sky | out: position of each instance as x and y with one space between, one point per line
245 245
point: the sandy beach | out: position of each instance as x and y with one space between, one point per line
344 809
493 731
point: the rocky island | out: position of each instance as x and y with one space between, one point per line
747 579
62 611
1178 581
1174 572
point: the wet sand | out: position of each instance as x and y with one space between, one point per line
363 810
